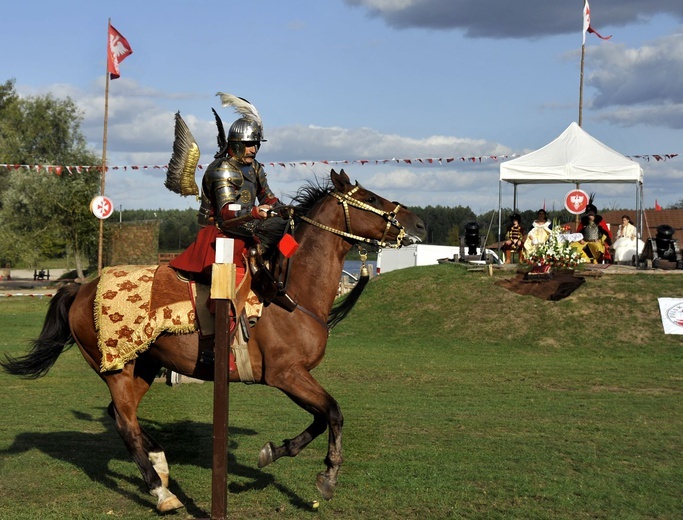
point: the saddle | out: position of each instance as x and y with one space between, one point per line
135 304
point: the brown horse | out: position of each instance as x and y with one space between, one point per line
283 345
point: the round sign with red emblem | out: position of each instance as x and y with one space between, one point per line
576 201
102 207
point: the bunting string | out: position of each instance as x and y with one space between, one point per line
70 170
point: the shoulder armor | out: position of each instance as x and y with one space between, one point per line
220 173
220 185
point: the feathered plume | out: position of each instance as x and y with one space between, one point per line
184 160
241 106
222 141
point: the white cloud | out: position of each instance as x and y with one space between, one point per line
639 86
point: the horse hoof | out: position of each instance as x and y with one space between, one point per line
326 488
170 504
164 479
265 456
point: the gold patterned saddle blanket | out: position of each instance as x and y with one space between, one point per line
135 304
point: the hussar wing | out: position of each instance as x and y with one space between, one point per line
183 164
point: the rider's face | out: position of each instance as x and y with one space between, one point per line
250 150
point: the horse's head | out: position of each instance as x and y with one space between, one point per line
368 216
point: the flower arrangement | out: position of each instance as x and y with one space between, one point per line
556 251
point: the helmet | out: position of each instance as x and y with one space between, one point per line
245 129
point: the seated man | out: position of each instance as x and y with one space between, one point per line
596 236
514 237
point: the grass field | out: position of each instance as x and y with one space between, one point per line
461 400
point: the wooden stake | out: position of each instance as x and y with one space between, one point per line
222 291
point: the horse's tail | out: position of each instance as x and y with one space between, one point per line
53 339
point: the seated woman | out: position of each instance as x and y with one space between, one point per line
596 236
514 237
627 243
539 234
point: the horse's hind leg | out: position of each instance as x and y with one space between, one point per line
304 390
126 391
155 452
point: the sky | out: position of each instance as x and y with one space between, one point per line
477 81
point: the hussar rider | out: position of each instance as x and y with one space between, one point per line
231 187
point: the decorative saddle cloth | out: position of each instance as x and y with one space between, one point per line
135 304
130 313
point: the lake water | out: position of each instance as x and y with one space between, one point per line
353 267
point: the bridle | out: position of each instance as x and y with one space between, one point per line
346 200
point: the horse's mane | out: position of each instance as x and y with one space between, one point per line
270 231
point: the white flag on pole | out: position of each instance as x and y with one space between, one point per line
586 19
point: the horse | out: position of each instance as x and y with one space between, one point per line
284 345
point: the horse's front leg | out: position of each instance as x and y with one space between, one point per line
292 447
307 393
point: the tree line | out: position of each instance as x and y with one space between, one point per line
45 215
42 216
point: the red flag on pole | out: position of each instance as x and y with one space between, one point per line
657 206
587 24
118 50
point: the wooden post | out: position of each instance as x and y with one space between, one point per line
222 291
104 154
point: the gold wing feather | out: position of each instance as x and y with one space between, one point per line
183 164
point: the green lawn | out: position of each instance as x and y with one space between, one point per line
461 400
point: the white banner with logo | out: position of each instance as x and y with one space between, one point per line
671 310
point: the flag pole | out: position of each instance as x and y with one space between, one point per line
104 151
583 55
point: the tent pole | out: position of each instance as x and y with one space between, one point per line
500 217
514 197
576 220
639 220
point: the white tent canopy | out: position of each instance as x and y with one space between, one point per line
574 157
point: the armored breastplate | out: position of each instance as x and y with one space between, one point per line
591 232
248 190
226 183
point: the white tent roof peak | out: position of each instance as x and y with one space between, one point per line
573 157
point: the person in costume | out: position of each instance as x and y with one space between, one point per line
627 243
539 234
514 237
596 236
230 189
